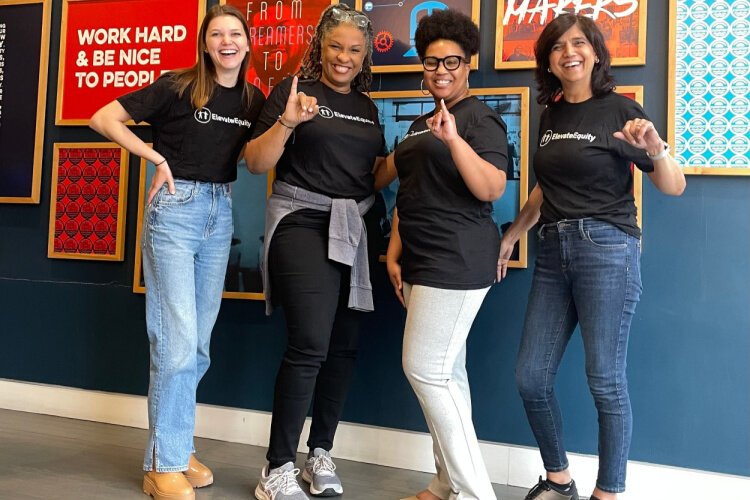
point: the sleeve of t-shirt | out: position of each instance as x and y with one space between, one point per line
150 103
256 108
629 111
488 137
274 106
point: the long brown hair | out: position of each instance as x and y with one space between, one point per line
547 83
201 77
311 67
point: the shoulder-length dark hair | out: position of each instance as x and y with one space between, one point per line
547 83
201 77
311 67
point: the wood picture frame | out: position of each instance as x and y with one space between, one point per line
519 23
243 277
708 107
394 29
109 48
24 57
88 201
398 109
280 33
635 92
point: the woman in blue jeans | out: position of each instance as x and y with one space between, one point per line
201 117
588 266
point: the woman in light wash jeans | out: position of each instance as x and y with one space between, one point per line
187 229
451 164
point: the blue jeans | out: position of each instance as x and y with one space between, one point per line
186 239
588 274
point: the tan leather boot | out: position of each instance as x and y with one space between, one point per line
167 486
197 474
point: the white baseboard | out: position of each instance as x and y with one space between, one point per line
507 464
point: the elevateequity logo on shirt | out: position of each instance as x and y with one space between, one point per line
327 113
205 115
575 136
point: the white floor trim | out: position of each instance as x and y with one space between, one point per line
507 464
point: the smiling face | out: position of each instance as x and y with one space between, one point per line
342 54
451 85
227 45
572 60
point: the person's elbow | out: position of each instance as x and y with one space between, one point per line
251 158
97 121
495 188
677 188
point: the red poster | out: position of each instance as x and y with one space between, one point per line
111 47
519 23
280 33
87 209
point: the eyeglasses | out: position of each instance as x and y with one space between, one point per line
359 20
450 62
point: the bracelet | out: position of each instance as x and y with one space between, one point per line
157 164
662 154
283 124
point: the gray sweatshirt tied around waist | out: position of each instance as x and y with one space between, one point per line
347 236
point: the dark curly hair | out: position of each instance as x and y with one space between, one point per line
450 25
547 83
311 68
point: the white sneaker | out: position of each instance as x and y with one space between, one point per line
279 484
320 472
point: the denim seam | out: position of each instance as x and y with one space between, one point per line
160 352
546 386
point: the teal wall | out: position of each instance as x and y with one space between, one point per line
77 323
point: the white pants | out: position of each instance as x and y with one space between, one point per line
434 360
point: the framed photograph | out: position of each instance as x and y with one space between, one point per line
24 54
394 25
249 193
519 23
109 48
280 33
397 111
88 201
635 92
708 95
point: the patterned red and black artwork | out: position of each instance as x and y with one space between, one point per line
87 212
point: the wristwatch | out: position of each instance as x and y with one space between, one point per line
662 154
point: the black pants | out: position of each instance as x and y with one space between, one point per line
322 335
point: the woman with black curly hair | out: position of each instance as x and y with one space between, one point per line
441 259
323 136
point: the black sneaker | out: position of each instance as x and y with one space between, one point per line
543 490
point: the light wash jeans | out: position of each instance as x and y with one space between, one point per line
438 322
186 239
587 273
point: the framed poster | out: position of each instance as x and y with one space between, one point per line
249 193
24 54
109 48
280 33
87 203
519 23
635 92
394 24
397 110
709 89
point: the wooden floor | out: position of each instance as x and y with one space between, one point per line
44 457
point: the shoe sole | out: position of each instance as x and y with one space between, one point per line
199 482
260 494
328 492
149 488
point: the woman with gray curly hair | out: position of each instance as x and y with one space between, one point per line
322 134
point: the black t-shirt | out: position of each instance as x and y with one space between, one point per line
583 170
202 145
449 238
332 154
